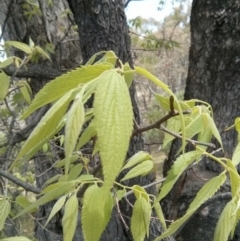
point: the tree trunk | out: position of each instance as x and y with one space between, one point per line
102 26
213 76
46 25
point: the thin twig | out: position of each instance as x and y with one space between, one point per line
119 212
147 186
193 142
157 124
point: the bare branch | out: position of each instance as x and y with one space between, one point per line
33 71
19 182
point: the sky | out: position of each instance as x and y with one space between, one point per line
148 9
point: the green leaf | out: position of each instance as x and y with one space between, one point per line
226 222
128 73
234 177
86 177
52 192
70 218
108 58
75 119
140 192
24 202
205 134
165 87
114 122
61 163
155 80
174 125
18 238
63 84
52 179
96 212
4 83
137 158
120 194
237 124
19 45
56 208
179 166
75 172
159 212
165 103
140 219
141 169
236 153
214 130
87 134
204 194
42 53
194 127
6 62
5 208
46 128
26 94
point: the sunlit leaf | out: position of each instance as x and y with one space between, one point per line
24 202
114 122
87 134
140 219
6 62
120 194
5 208
179 166
25 93
214 130
237 124
236 153
63 84
140 170
137 158
234 178
128 74
56 191
46 128
73 127
42 53
96 212
61 163
165 103
70 218
75 171
160 215
204 194
19 45
225 222
140 192
174 125
56 208
155 80
4 83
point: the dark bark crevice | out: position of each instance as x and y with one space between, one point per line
213 76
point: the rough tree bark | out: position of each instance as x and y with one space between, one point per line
102 26
46 25
213 76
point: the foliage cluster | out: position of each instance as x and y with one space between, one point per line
107 127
